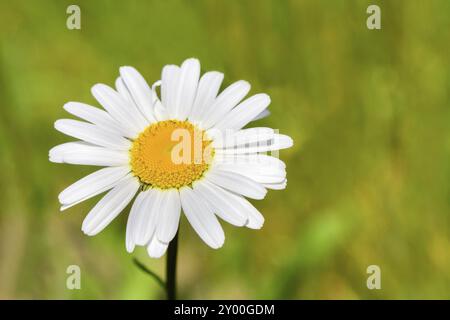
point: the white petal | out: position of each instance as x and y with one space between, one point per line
255 218
257 159
156 248
148 218
129 233
123 90
187 87
154 85
207 90
259 173
94 115
92 134
236 183
86 154
276 186
201 218
279 141
93 184
265 113
137 212
244 112
160 111
142 220
169 81
226 101
228 138
140 91
56 154
110 206
170 215
220 201
120 109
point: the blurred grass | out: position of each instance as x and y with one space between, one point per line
369 174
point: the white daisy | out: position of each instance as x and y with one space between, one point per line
133 139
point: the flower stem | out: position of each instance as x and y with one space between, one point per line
171 269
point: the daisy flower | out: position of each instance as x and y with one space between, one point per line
134 139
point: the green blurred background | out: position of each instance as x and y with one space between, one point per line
369 174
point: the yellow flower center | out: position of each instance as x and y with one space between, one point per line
170 154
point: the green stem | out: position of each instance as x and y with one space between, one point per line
149 272
171 269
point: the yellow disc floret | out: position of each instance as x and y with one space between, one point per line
170 154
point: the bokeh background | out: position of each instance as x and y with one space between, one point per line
369 174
